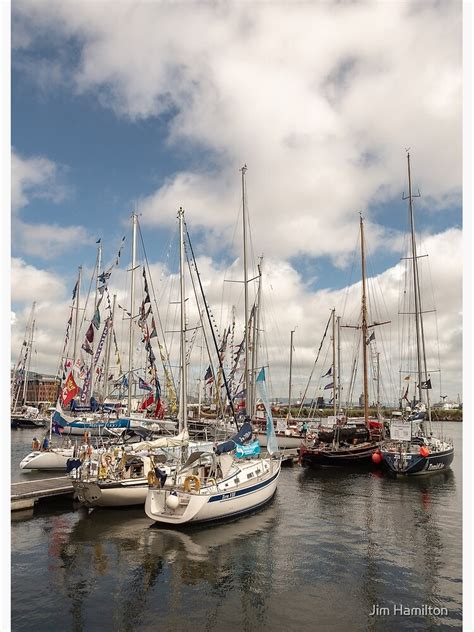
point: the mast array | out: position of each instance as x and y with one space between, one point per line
420 337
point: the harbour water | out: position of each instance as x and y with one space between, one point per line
333 547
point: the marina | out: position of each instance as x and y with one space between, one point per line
239 394
328 541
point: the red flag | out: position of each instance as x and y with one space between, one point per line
147 402
70 389
159 412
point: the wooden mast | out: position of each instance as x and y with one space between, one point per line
246 295
291 369
364 325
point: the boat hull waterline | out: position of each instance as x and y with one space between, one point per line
220 505
415 464
360 455
118 494
47 460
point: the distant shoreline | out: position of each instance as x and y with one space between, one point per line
454 415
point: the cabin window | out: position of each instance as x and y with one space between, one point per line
236 480
250 475
258 471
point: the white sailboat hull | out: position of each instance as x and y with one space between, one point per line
284 440
54 459
120 494
213 503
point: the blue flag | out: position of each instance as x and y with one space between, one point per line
272 443
143 385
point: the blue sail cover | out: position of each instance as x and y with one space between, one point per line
272 442
243 436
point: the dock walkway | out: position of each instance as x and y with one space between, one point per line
25 494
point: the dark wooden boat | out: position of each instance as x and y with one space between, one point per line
347 434
343 454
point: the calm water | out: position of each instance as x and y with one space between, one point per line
331 545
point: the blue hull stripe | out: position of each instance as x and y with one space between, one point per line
241 512
242 492
121 423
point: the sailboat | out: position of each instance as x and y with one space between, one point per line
287 430
116 478
234 478
55 457
346 444
412 448
22 415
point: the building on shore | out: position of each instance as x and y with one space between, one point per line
41 389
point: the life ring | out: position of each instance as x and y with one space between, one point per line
212 481
151 478
192 482
106 460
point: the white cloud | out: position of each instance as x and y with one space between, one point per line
39 177
47 240
320 99
29 283
319 105
287 303
34 177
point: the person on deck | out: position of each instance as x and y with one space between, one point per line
35 446
304 429
45 445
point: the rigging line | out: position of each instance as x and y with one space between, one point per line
158 314
212 329
218 395
314 365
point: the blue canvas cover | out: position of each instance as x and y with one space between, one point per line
243 436
243 451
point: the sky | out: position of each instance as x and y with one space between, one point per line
148 106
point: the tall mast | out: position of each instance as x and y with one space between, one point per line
201 353
108 347
291 368
378 386
183 408
415 280
339 405
256 321
364 325
420 338
334 403
99 263
76 319
28 362
132 309
246 291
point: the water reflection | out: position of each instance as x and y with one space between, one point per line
400 535
330 546
124 546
